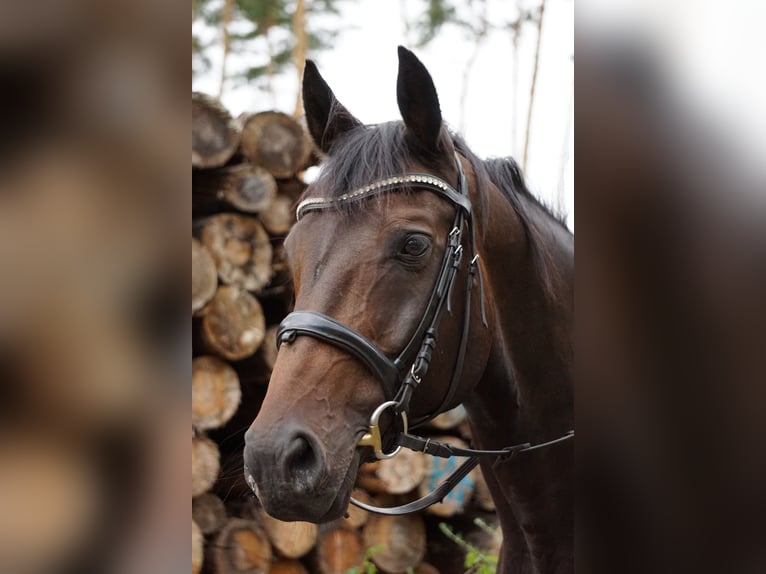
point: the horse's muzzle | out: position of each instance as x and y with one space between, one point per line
288 471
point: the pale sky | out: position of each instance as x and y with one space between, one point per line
361 69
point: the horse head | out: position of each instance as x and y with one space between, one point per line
366 265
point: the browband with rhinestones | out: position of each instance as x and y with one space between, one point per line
422 180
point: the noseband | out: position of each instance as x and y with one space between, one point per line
402 375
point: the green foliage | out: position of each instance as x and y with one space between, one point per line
368 566
476 561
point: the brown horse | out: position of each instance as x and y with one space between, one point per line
375 239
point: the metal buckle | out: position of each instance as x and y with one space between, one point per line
373 437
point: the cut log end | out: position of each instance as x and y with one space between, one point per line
206 462
197 550
204 276
290 539
241 547
215 136
338 549
401 541
276 142
233 325
215 392
240 248
208 512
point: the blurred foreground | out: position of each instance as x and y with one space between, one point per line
94 341
671 277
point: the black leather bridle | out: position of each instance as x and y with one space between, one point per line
402 375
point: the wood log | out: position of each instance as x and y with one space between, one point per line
197 552
208 512
240 248
397 475
268 349
289 567
215 134
206 462
249 188
292 188
279 217
276 142
425 568
449 420
401 541
290 539
338 549
204 276
241 547
233 325
437 470
356 517
215 392
243 187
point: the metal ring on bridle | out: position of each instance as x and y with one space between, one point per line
373 437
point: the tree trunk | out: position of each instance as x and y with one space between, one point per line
206 462
240 248
215 392
208 512
233 324
204 276
300 48
275 141
226 16
534 84
215 135
401 539
241 547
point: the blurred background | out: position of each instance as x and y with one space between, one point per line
503 69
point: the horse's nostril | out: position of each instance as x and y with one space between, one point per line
302 461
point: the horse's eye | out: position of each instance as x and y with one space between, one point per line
416 246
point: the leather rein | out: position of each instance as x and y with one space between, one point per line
402 375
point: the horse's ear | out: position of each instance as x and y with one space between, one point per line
325 115
417 99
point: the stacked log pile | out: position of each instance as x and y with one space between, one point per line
246 178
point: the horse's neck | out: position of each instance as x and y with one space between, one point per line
533 324
526 392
